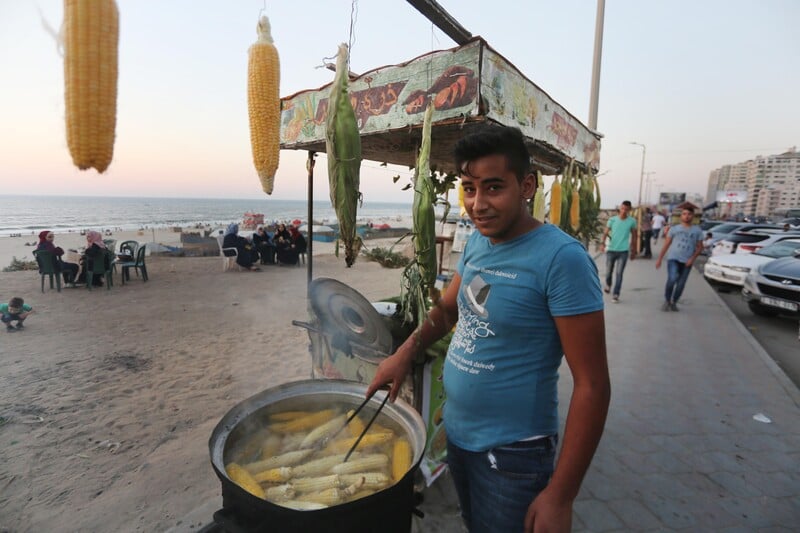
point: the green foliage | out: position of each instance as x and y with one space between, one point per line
20 264
386 257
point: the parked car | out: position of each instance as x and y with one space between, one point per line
793 222
773 237
733 268
744 242
774 288
706 225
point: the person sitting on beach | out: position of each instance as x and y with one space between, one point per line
95 250
246 253
264 246
287 245
15 309
68 270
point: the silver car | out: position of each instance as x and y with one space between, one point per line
731 269
774 288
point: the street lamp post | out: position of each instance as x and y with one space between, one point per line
639 207
647 182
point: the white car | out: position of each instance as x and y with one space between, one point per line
731 269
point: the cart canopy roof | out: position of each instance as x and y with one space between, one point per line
469 86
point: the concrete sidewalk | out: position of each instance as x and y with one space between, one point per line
681 449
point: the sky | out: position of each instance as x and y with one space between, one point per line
700 84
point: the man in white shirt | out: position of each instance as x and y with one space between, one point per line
658 223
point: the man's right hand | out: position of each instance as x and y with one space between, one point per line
394 370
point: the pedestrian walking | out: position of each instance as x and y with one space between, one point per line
622 230
658 223
682 246
647 233
524 294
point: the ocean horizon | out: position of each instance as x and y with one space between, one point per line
29 214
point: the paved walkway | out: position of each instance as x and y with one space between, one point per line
681 450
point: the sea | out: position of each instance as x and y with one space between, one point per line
28 215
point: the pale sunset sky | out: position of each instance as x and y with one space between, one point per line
701 83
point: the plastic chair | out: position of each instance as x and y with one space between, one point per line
47 267
111 244
138 265
126 248
101 266
228 261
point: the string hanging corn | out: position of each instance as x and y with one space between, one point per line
401 459
264 104
537 207
419 277
555 203
91 37
242 477
343 146
424 219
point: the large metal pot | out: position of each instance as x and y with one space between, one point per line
388 510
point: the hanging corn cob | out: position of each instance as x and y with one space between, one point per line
264 104
537 207
343 145
555 203
91 36
424 219
575 209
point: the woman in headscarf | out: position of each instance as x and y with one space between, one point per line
246 253
68 270
292 245
263 243
95 249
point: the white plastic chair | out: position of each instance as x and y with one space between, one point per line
228 261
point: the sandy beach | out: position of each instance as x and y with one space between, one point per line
108 398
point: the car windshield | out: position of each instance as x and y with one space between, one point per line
779 249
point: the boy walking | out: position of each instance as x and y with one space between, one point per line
622 228
684 243
15 310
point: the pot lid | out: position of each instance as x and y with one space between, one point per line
342 312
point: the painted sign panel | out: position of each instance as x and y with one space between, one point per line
513 100
392 97
731 196
460 83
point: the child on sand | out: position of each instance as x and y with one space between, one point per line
15 309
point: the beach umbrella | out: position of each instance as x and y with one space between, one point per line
296 222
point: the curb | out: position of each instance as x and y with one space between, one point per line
788 385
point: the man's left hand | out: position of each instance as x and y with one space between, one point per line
548 514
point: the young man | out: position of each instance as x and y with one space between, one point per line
658 224
684 243
15 309
623 238
524 294
647 233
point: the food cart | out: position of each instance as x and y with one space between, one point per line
468 86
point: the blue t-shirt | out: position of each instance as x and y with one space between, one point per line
501 371
684 242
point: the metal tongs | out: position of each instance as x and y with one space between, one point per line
366 428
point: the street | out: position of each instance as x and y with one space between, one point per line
777 335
